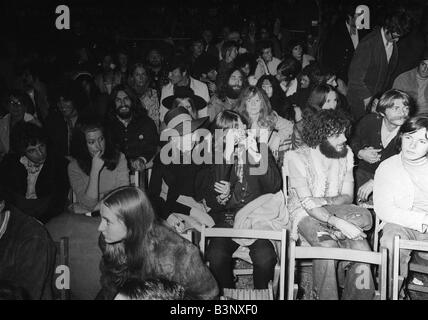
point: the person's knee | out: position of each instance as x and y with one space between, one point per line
263 254
216 254
389 232
329 244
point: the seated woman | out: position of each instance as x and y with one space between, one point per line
33 179
255 108
271 87
322 97
236 191
140 82
97 168
135 245
185 97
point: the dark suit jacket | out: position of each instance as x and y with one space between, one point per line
368 134
139 139
51 185
338 49
369 72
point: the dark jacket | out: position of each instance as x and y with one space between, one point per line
27 256
369 72
180 179
51 185
171 257
138 139
337 50
56 127
368 134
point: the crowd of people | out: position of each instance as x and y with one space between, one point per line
125 154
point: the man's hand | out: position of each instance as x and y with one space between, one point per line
349 230
365 190
176 223
369 154
222 187
138 164
310 203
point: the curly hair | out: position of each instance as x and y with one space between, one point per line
321 125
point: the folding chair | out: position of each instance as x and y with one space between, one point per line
369 257
62 260
251 234
409 245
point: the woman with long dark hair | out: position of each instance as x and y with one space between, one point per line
97 166
271 87
136 245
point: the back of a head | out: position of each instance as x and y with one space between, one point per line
153 289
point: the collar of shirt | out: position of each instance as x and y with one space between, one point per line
386 135
30 166
386 43
3 226
124 122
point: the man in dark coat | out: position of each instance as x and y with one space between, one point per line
374 62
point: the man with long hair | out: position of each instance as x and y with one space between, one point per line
320 205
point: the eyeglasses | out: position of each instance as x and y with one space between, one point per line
15 102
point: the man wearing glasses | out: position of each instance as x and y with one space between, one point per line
375 60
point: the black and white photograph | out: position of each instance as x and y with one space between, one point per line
213 154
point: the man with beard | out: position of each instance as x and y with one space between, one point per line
321 187
227 94
179 77
132 131
376 138
156 70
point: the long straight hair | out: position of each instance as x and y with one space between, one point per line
129 257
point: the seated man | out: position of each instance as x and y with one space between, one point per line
415 82
320 205
33 179
376 136
132 131
169 181
27 254
400 191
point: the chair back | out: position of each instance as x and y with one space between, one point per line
369 257
407 245
250 234
62 269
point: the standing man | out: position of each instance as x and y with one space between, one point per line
341 42
374 61
320 205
